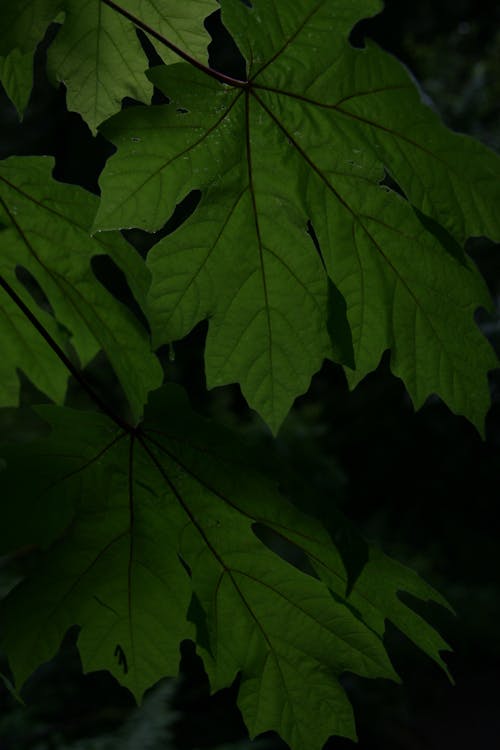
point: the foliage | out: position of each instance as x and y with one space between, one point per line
333 213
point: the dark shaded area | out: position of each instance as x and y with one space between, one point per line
425 486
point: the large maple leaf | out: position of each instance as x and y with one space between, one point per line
312 135
138 522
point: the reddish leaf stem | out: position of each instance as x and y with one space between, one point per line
221 77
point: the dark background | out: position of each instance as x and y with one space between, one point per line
424 485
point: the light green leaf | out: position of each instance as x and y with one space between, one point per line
16 75
312 136
178 494
97 55
179 22
47 235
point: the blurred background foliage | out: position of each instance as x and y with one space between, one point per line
423 485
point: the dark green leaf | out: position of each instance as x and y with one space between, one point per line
178 495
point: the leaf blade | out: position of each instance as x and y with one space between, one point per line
97 55
177 496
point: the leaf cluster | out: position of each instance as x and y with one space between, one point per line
333 215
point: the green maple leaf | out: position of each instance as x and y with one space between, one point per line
311 136
46 233
96 52
154 516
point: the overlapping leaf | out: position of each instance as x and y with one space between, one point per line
22 25
180 23
142 508
311 136
96 52
97 55
46 234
